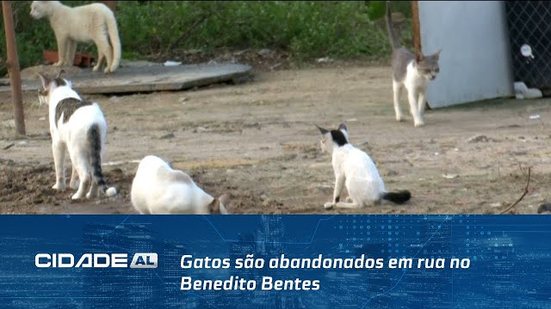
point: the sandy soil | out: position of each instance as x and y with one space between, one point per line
258 142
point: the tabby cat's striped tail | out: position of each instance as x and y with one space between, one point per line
94 139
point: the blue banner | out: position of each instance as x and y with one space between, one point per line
272 261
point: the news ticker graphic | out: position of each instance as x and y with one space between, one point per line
275 261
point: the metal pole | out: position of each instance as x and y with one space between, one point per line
13 68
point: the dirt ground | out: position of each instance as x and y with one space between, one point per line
258 142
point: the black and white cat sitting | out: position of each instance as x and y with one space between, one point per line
78 127
355 169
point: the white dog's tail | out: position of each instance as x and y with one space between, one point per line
115 41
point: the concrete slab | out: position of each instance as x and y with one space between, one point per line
139 77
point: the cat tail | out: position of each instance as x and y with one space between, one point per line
95 155
394 42
398 197
115 41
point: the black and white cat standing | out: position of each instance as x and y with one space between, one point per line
78 127
355 169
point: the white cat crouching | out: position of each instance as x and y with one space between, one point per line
159 189
78 127
354 169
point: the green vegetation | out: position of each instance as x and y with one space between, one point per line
304 29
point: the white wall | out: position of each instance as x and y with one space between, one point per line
475 62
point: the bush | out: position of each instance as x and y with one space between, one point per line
304 29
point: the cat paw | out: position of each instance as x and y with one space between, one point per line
95 68
399 118
419 124
59 187
58 64
76 196
106 70
328 205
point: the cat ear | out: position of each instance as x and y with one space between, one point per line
322 130
343 126
224 200
419 56
45 81
437 53
60 72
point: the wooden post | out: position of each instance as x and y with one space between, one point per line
12 64
416 27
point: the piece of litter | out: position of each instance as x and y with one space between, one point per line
523 92
111 163
172 63
324 60
436 153
495 205
450 176
264 52
534 117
